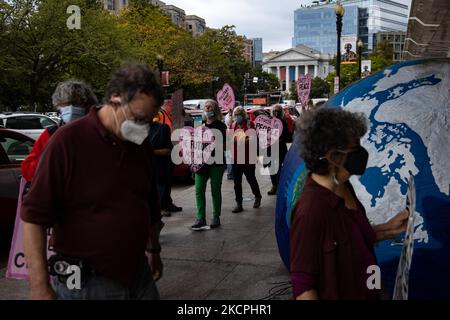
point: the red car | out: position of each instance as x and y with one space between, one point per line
14 148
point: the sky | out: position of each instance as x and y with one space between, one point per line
272 20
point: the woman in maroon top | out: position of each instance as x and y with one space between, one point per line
331 237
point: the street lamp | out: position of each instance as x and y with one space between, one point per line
246 79
160 63
339 10
360 46
213 79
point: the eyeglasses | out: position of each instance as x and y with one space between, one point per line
336 158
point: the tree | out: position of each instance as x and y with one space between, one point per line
266 81
382 57
319 88
293 91
38 49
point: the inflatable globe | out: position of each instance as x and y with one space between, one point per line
408 107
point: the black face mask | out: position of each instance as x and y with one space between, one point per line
356 161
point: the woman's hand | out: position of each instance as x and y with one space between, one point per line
393 227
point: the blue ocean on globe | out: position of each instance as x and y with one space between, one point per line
408 108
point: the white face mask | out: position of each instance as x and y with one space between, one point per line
132 131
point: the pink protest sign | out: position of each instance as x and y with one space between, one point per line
17 268
196 145
225 97
269 130
303 88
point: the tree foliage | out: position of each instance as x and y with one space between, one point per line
38 50
319 88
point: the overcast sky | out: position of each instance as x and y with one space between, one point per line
272 20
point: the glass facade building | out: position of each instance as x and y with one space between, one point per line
315 26
257 51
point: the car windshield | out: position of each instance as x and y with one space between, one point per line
28 123
16 149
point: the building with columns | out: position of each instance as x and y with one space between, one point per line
289 64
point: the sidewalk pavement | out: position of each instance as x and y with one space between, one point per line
239 260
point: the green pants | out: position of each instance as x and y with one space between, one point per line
201 179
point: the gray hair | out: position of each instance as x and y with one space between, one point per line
75 93
216 109
240 110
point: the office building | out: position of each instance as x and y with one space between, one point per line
395 39
257 51
315 25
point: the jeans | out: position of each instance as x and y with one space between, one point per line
229 170
249 172
97 287
201 180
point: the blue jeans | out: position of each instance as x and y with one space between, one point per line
97 287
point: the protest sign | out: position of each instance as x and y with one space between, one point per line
303 89
269 130
225 97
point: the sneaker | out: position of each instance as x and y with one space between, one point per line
174 208
272 191
238 208
165 213
215 222
257 203
200 224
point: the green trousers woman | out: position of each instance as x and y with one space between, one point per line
215 174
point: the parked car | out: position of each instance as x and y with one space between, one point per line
55 116
14 148
30 124
196 104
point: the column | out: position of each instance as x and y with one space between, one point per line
306 69
297 72
315 70
279 77
288 80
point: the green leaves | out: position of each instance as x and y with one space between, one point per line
38 50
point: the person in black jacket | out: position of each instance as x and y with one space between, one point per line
286 137
159 136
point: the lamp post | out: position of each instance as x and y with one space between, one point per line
339 10
246 78
213 79
160 64
360 46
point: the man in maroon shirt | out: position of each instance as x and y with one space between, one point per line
95 187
